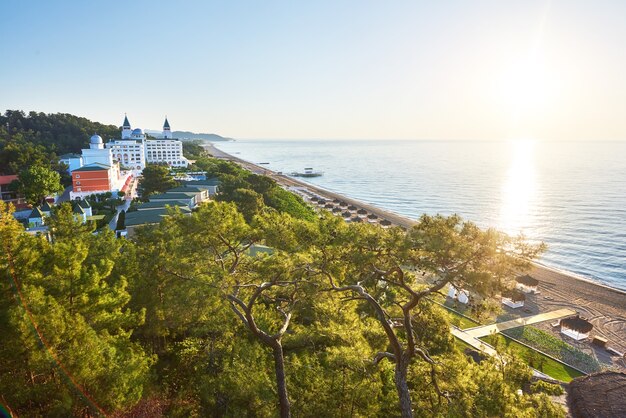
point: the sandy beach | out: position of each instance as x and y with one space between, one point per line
603 306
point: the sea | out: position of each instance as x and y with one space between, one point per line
570 195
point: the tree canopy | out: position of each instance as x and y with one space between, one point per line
38 182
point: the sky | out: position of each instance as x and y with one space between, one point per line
489 70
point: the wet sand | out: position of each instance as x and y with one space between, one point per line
603 306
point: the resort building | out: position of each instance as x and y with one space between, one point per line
134 150
129 151
98 172
576 328
93 179
513 298
10 196
183 198
72 161
527 284
461 295
36 218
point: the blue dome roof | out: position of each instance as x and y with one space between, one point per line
96 139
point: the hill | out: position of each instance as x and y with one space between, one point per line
183 135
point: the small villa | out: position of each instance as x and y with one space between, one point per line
461 295
36 218
513 298
576 328
527 284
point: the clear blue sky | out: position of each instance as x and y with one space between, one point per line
324 69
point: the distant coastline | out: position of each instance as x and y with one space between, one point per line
188 135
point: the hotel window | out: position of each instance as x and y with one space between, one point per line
78 183
77 176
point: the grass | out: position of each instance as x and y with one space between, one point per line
535 359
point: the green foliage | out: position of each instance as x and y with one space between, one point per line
103 303
194 150
557 348
68 347
548 388
121 218
156 179
38 139
38 182
534 359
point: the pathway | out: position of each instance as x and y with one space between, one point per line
482 331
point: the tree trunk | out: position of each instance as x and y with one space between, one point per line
281 383
403 388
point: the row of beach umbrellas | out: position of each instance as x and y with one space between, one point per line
350 213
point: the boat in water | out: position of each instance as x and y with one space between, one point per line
308 172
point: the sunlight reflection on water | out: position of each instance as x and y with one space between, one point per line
518 189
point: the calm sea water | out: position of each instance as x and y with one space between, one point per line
571 195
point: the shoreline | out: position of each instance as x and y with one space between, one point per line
604 306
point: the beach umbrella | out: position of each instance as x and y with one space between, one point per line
315 199
346 214
356 219
329 206
361 212
336 200
352 208
321 202
336 210
385 222
372 216
343 204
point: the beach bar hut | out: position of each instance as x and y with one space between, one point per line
527 284
598 395
461 295
576 327
513 298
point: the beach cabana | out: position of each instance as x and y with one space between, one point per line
461 295
527 284
576 327
513 298
598 395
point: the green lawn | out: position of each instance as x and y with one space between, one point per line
537 360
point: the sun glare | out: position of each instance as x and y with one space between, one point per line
518 188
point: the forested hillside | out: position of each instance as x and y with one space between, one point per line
38 138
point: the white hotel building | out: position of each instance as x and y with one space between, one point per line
134 150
